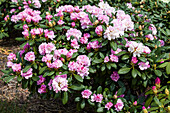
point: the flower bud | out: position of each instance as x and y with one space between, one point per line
115 96
47 13
54 23
96 22
141 6
141 33
135 103
155 91
58 0
169 108
140 27
62 59
167 92
50 24
156 46
146 39
157 81
73 24
144 109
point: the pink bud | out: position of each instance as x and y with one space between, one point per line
135 103
143 107
157 81
19 7
73 24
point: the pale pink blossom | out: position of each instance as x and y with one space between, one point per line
143 65
86 93
16 67
134 60
57 64
47 58
75 44
99 30
42 48
49 47
114 58
60 83
109 105
29 56
72 66
11 56
106 59
97 98
83 60
60 22
150 36
9 64
27 74
119 105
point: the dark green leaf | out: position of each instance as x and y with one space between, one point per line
42 70
158 73
134 73
77 87
113 45
26 68
78 77
82 105
9 78
148 101
163 65
35 78
99 90
124 70
19 78
97 61
99 110
65 97
168 68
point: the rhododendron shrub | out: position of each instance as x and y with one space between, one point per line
93 52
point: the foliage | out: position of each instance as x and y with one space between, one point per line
87 55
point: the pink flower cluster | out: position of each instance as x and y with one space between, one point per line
109 105
97 98
115 76
137 48
41 80
99 30
93 45
150 37
42 89
46 48
153 29
73 32
84 39
27 15
81 65
60 83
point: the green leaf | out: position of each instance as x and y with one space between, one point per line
99 90
121 53
153 108
77 99
121 91
65 97
158 73
90 17
99 110
31 42
125 57
91 103
5 71
134 73
42 70
26 68
82 105
97 61
148 101
35 78
113 45
143 76
20 39
103 67
74 55
163 65
51 73
124 70
101 55
143 59
108 66
35 66
19 78
78 77
157 101
168 68
9 78
77 87
113 65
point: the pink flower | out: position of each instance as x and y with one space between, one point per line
162 42
47 58
42 89
73 24
49 47
29 56
82 71
146 50
16 67
57 64
41 80
150 36
109 105
135 103
99 30
49 84
134 60
143 65
27 74
114 58
83 60
72 66
97 98
42 48
157 81
9 64
117 51
119 105
115 76
11 56
60 83
106 59
73 32
25 33
74 43
153 29
84 40
25 26
86 93
60 22
49 34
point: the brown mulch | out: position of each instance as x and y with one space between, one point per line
12 92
